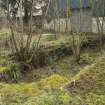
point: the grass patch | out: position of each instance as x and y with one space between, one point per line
3 69
52 82
66 67
44 92
89 85
4 34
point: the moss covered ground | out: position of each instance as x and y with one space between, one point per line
27 94
89 84
54 84
46 86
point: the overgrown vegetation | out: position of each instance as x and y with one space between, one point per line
89 85
33 92
46 58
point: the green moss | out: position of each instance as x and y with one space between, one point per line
44 92
4 34
90 84
50 91
88 58
48 37
65 98
3 61
95 99
53 82
4 69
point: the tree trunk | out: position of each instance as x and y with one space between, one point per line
26 16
